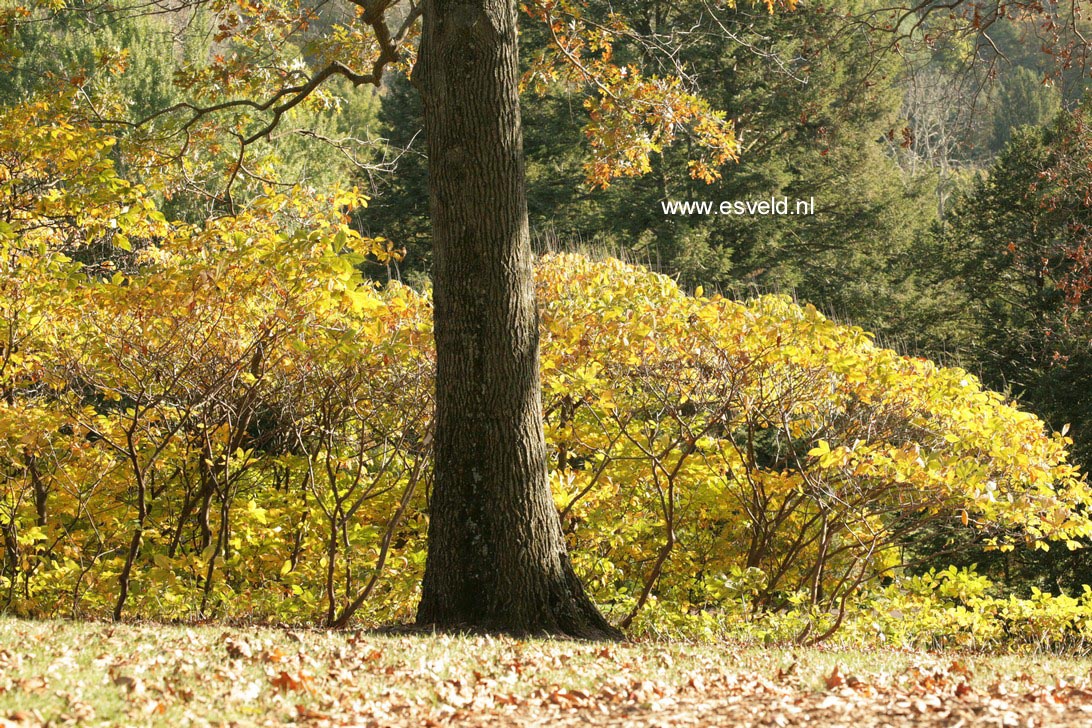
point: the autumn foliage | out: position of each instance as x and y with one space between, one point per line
225 419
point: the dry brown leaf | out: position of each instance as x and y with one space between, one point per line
854 682
273 654
34 685
785 673
134 686
834 679
155 707
286 681
22 717
238 649
310 714
958 667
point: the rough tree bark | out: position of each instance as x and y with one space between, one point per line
496 555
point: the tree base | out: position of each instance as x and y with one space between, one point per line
567 612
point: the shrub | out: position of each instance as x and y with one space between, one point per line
226 420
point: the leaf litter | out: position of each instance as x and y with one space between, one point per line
63 673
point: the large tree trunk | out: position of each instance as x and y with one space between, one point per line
496 554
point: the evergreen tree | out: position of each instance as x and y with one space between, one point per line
1023 100
813 108
1017 241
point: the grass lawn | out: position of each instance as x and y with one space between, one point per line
103 674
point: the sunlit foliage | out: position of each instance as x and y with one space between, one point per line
226 419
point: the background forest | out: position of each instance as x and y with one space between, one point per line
219 404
